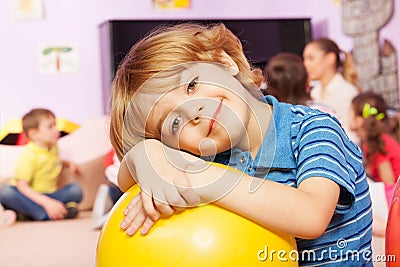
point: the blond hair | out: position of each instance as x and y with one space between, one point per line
166 48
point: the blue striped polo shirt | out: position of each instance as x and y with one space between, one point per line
302 143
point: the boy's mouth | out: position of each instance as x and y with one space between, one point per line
213 119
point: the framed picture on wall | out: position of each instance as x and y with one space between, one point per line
170 4
59 58
28 9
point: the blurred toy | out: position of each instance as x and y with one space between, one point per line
11 133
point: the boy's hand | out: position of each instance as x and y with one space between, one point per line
160 172
74 168
55 209
135 217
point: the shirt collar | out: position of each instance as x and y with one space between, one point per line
39 149
277 145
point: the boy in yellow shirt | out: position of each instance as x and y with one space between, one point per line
34 192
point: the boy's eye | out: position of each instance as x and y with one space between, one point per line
191 85
175 124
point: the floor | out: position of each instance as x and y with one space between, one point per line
68 243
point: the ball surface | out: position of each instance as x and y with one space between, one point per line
204 236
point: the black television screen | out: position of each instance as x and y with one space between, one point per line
261 39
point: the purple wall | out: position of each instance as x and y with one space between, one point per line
77 96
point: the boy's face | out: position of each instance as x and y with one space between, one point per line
47 134
207 114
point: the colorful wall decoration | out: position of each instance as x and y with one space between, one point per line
28 9
171 4
58 59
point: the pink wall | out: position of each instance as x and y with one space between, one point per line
77 96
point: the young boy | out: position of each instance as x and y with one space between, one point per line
198 94
34 193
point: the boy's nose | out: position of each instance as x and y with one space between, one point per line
197 115
193 110
195 120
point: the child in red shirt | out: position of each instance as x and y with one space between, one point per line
381 152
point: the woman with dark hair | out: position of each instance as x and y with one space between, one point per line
322 59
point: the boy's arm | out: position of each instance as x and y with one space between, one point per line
125 179
301 212
71 166
54 208
304 212
27 191
160 194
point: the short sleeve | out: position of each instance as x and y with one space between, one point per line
381 158
391 147
24 167
324 150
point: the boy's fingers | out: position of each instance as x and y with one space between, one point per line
131 213
189 198
148 206
134 202
147 225
189 195
165 209
158 203
175 199
135 224
162 202
127 221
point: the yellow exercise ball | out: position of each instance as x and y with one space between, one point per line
204 236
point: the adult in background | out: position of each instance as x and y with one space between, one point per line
322 59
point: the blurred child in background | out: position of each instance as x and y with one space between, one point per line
34 193
381 152
287 80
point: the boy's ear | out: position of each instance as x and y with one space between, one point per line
227 60
31 134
